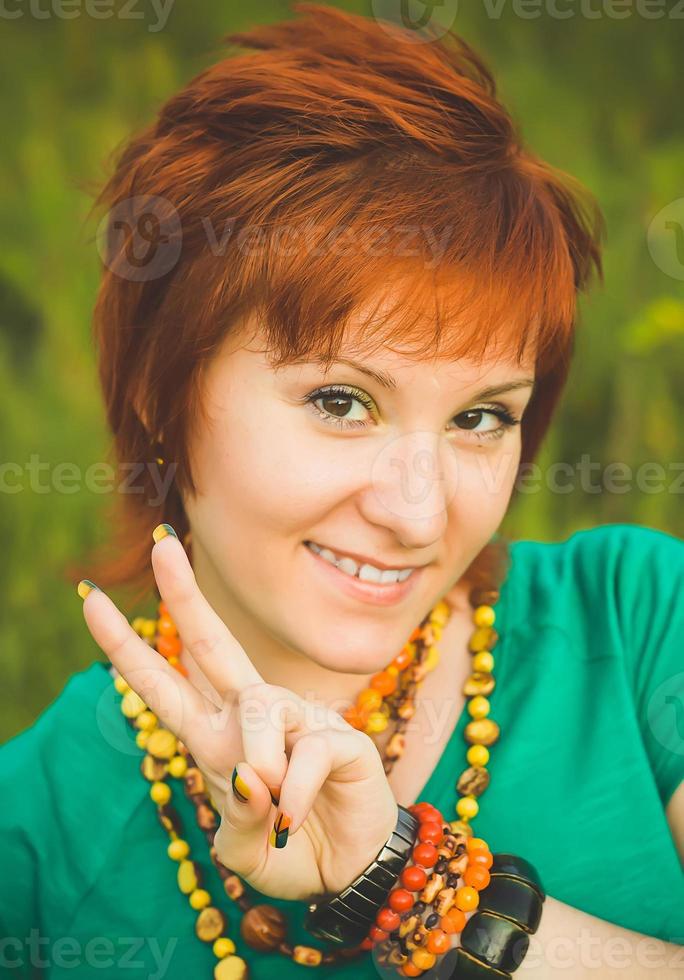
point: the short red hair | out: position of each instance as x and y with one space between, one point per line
333 121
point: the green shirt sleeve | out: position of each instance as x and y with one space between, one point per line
647 574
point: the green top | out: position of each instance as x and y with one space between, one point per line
590 701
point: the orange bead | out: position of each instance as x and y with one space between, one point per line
410 970
418 632
437 941
166 626
403 659
423 959
356 718
479 856
169 646
456 919
384 682
163 609
369 700
466 898
181 669
476 876
476 842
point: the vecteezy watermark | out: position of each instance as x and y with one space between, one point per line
665 713
423 20
665 238
98 953
157 15
141 239
64 477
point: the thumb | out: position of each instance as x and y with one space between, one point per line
241 838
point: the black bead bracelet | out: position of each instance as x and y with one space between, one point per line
495 940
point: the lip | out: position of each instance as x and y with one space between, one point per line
370 592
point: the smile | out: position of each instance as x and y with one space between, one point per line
364 572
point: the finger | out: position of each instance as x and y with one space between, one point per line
245 818
266 713
164 690
204 634
314 758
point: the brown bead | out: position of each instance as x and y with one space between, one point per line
461 828
152 769
306 955
162 744
435 882
417 938
170 819
479 683
395 746
474 781
206 818
189 876
193 780
406 710
483 638
483 597
445 900
233 887
231 968
263 927
210 924
457 865
481 731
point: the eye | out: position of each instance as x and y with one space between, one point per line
337 400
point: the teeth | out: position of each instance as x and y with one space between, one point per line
367 573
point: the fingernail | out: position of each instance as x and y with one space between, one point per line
275 795
85 586
281 828
162 530
241 790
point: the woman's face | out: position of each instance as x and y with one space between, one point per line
416 472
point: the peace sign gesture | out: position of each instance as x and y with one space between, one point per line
336 808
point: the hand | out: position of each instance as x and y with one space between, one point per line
329 775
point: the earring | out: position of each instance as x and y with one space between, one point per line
158 450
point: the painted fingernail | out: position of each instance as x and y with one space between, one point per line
281 828
162 531
85 586
241 790
275 795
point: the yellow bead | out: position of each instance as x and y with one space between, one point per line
141 739
177 766
223 947
160 793
441 612
178 849
231 968
478 706
467 808
148 627
147 720
484 616
122 685
132 704
477 755
483 662
392 670
137 624
377 722
199 899
432 658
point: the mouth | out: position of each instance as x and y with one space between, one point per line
362 580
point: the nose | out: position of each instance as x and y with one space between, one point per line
409 488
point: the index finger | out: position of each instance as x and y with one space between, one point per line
204 634
164 690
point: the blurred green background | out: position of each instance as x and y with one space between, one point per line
595 95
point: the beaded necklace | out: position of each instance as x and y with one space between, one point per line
389 696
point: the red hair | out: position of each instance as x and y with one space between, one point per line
331 123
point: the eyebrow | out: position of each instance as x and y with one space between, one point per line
387 381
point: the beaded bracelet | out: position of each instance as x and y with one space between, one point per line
505 889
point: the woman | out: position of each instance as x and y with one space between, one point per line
336 314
